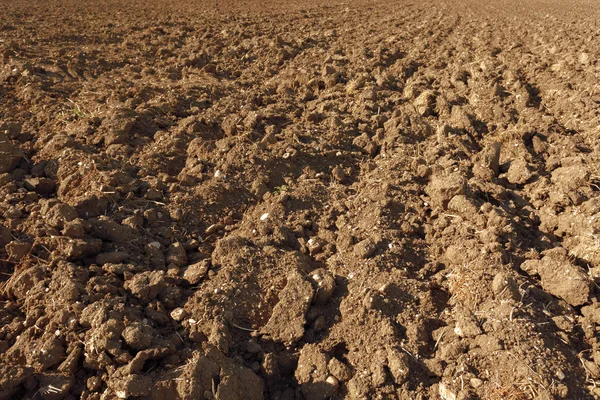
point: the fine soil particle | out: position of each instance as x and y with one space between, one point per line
299 200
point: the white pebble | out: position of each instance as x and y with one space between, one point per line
177 314
332 380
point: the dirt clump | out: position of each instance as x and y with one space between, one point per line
288 319
10 154
560 277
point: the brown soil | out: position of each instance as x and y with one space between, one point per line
313 200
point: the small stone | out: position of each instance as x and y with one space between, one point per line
195 272
134 222
445 392
365 248
259 187
332 380
11 128
151 216
178 314
315 245
191 245
475 382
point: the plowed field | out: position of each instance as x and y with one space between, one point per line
299 201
